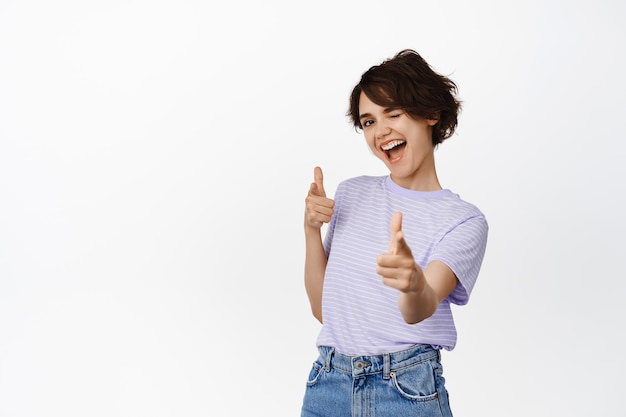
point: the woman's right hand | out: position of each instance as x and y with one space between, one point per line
318 208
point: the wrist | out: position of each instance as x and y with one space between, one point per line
312 230
418 279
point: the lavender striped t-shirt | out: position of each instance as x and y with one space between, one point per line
360 313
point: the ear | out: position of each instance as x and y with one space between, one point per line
434 120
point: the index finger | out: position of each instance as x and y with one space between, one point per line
395 227
318 177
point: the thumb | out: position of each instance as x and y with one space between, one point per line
318 177
314 190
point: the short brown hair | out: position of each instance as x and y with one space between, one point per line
407 82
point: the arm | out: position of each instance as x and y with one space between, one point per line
421 291
319 210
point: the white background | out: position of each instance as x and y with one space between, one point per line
155 156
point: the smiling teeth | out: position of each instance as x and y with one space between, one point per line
391 145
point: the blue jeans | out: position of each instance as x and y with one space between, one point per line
404 383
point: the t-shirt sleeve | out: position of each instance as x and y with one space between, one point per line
463 250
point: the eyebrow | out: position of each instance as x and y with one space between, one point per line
364 116
386 110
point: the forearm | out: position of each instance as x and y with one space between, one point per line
314 270
431 286
418 306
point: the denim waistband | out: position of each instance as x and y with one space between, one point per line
386 363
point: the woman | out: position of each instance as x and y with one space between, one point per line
399 250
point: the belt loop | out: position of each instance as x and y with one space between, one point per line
386 366
328 359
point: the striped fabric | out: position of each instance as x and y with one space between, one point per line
360 314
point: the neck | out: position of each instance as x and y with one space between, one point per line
418 184
424 179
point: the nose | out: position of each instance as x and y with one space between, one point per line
382 130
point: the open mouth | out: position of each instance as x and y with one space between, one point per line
393 149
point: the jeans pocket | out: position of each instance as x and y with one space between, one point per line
314 374
417 382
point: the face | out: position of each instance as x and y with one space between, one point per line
404 144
